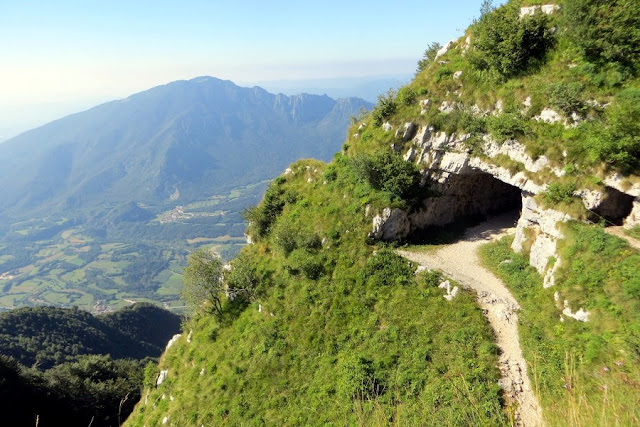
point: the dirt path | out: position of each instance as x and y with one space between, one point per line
619 232
460 262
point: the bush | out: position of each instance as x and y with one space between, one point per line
202 282
301 261
510 45
616 141
406 96
567 97
558 192
429 56
386 268
242 280
358 379
285 236
263 216
387 171
605 30
385 108
507 126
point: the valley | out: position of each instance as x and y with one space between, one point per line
102 207
79 267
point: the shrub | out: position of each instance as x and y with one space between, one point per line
263 216
406 96
242 280
284 236
617 140
429 56
507 126
509 45
567 97
358 379
387 171
330 174
558 192
385 108
202 282
301 261
605 30
386 268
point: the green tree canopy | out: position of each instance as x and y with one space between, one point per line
202 281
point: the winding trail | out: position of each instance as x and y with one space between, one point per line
460 262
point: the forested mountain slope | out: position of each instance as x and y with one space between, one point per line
169 144
47 336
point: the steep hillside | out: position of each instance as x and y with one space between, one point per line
47 336
534 110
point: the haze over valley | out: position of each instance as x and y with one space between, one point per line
100 208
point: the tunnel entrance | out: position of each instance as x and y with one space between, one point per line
462 201
614 208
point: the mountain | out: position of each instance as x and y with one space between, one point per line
533 115
116 196
169 145
48 336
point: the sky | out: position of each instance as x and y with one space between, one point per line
65 56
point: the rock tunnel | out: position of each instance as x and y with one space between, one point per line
460 201
614 207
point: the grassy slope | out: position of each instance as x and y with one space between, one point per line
342 349
587 373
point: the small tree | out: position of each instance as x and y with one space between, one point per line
202 281
242 280
429 56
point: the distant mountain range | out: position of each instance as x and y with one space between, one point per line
100 208
169 145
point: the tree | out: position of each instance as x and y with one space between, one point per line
486 7
429 56
202 281
242 279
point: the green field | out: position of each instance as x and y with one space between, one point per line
103 267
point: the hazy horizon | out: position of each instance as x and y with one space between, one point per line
67 56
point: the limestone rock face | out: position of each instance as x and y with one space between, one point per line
515 151
545 8
463 185
445 48
391 224
633 219
549 116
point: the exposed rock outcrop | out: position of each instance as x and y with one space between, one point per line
545 8
464 184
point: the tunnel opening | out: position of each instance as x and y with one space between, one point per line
462 201
614 207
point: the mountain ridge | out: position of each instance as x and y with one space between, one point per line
171 135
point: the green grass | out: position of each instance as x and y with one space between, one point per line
586 373
633 232
356 345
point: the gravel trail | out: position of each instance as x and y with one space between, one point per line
460 262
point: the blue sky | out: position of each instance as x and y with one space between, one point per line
63 55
